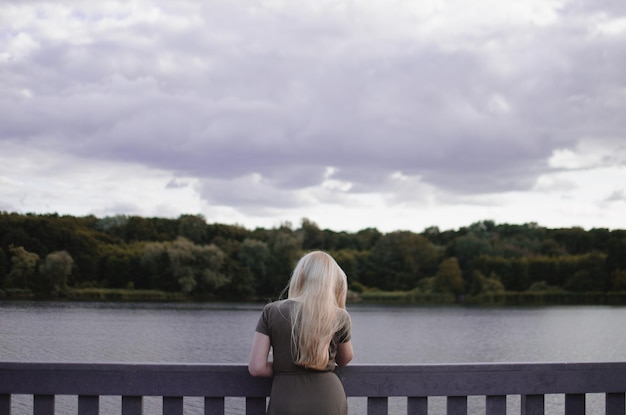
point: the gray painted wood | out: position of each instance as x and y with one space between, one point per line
132 405
377 406
255 406
172 405
43 405
417 405
131 379
495 405
5 404
213 406
484 379
575 404
615 403
533 405
89 405
362 380
456 405
376 382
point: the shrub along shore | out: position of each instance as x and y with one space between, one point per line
374 297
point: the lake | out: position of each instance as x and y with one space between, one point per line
221 333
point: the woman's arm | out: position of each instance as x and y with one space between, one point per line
259 365
344 353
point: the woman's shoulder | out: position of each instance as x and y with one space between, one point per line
279 306
279 303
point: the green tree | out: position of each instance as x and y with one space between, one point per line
616 251
590 274
551 248
449 278
483 229
140 229
211 260
286 248
618 280
519 274
193 227
156 267
399 260
513 272
110 222
485 285
4 265
366 238
183 266
575 240
348 261
57 267
255 256
182 263
119 264
547 269
196 266
312 235
23 267
242 284
466 248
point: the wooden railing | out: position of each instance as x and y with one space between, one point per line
377 383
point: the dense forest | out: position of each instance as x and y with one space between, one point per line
187 258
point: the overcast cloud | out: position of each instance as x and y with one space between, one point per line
376 113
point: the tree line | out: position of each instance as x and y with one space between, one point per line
52 256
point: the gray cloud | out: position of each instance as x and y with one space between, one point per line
617 196
224 91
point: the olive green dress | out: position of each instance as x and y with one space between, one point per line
296 390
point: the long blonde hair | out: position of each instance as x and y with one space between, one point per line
319 286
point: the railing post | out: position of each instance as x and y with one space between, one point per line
533 404
172 405
575 404
255 405
5 404
615 403
43 405
132 405
213 406
457 405
496 405
88 405
417 405
377 406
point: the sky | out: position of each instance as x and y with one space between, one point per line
391 114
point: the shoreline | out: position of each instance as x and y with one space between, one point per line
398 298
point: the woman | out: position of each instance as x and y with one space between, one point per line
309 334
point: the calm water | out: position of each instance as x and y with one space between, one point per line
218 333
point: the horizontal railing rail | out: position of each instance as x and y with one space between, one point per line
456 382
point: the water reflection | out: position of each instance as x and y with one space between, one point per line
470 335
